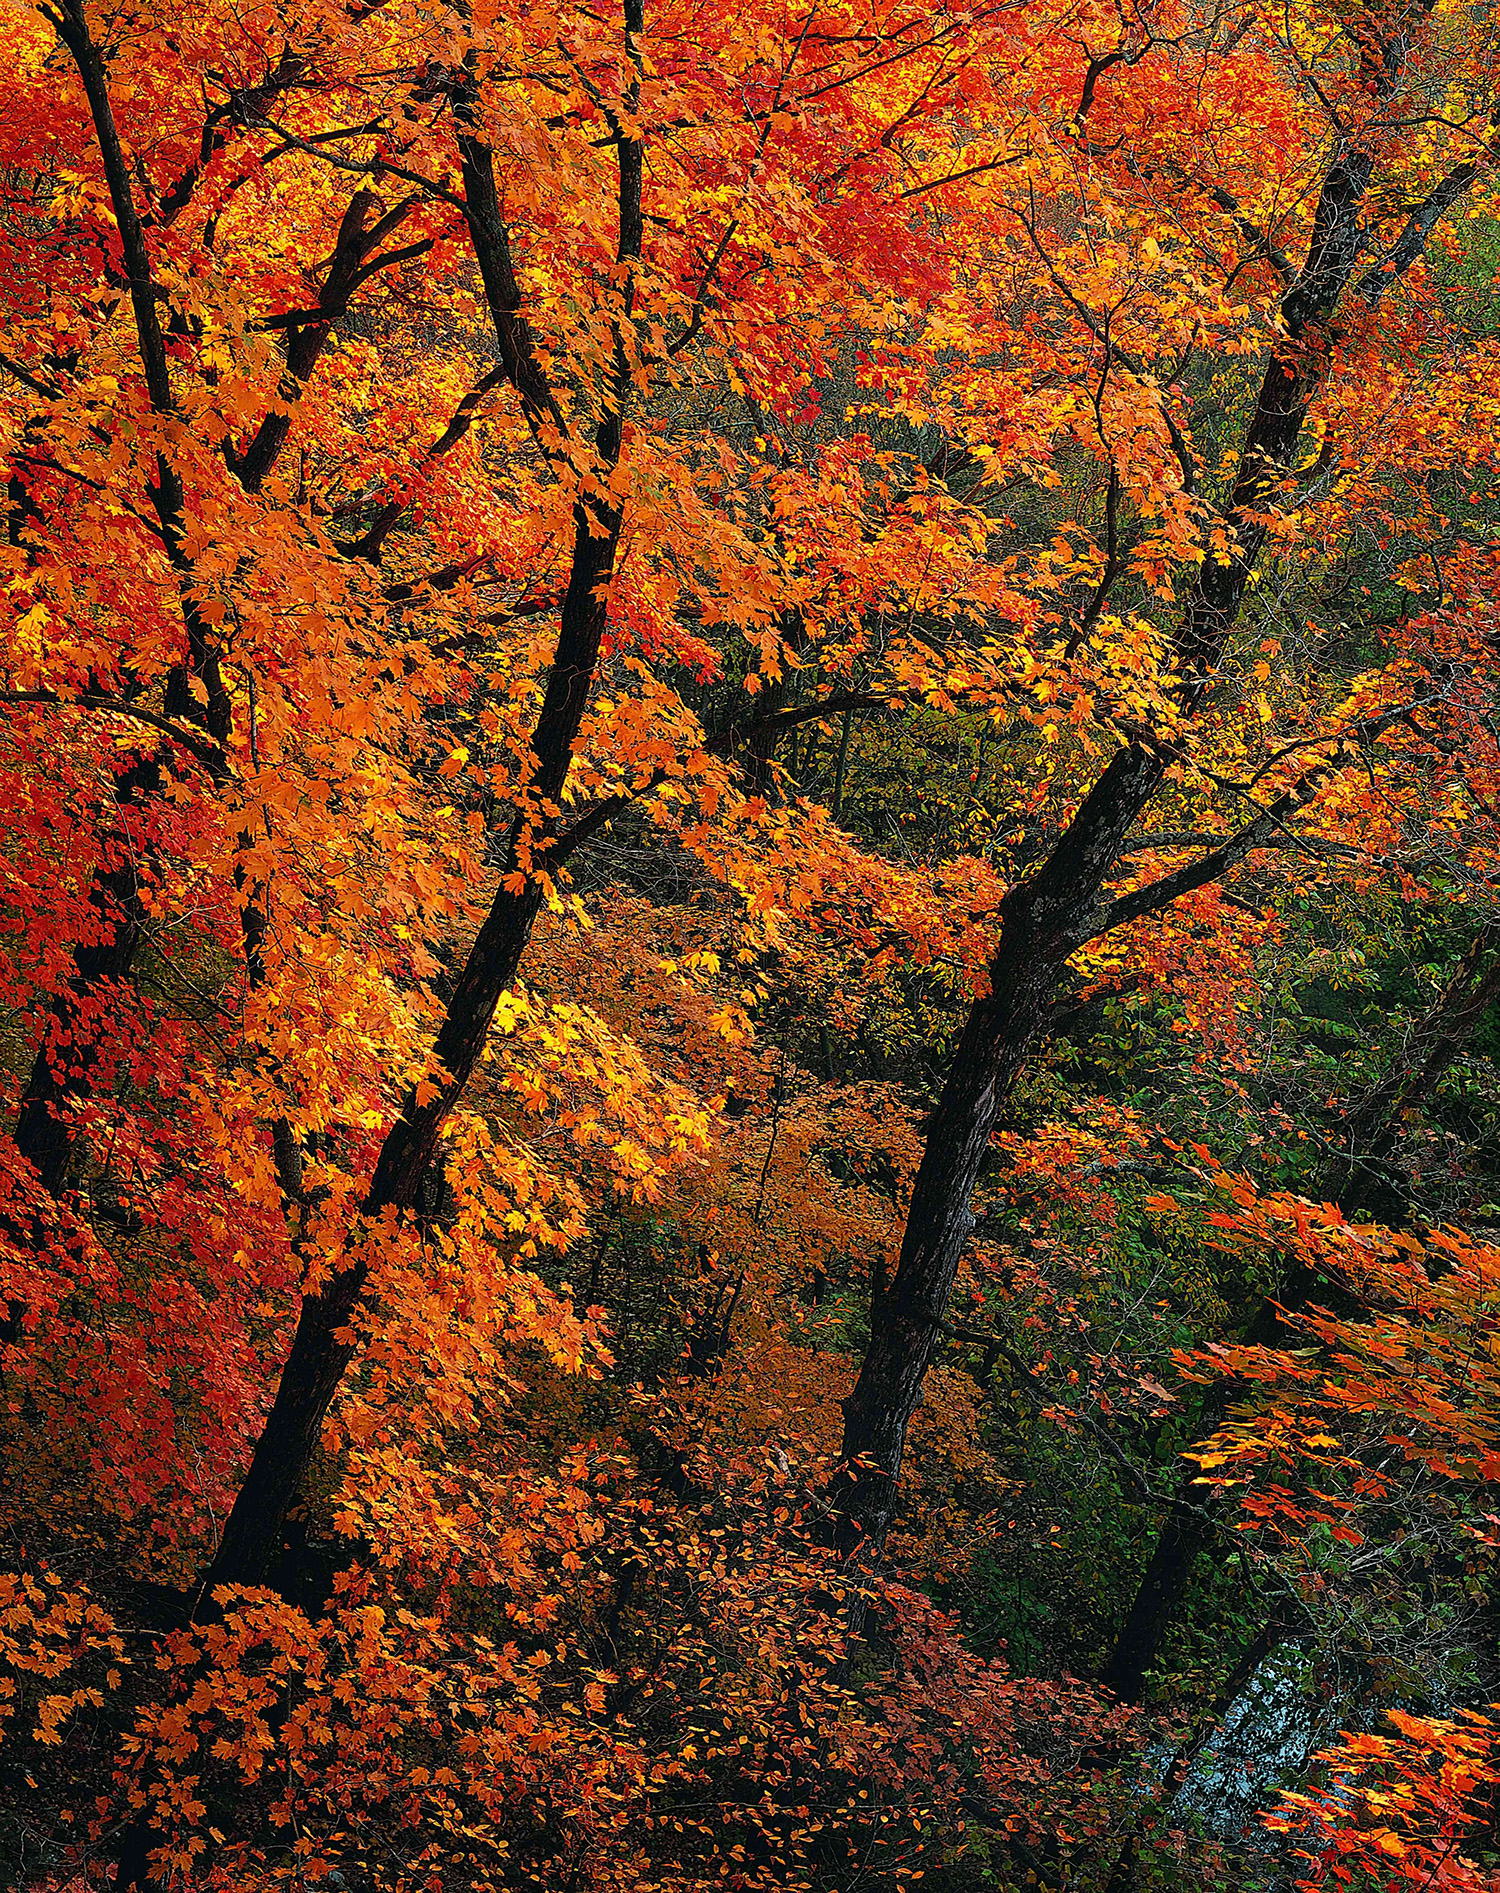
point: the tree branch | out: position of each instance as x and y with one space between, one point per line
310 329
1184 880
720 744
200 747
370 543
1419 226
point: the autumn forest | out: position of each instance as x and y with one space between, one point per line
750 946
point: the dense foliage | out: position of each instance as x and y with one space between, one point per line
751 945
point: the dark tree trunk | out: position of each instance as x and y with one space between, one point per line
1040 920
1046 918
347 269
323 1344
61 1073
1158 1599
1368 1133
1126 1870
68 1055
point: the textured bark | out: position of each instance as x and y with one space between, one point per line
323 1345
61 1073
347 269
1040 922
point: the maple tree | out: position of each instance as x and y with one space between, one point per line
688 696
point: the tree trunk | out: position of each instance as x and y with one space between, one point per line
1369 1131
1046 918
1038 923
1126 1870
323 1345
62 1070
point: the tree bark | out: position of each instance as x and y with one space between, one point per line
1039 922
68 1053
323 1344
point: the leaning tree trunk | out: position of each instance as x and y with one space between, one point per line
1367 1134
323 1344
1047 917
1038 922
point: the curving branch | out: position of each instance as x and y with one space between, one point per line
192 740
1256 833
371 543
350 266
